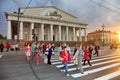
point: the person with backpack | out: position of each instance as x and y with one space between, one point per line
78 58
65 58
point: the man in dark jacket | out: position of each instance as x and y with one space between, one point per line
1 47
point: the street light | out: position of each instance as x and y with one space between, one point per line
103 27
18 22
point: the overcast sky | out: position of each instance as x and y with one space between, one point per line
93 12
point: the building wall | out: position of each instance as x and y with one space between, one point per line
45 29
103 37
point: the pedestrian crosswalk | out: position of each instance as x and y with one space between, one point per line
1 56
107 64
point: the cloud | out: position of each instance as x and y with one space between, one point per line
85 10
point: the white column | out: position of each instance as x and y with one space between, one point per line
51 32
31 28
76 35
73 33
85 35
21 30
59 33
56 33
9 34
70 34
39 38
48 33
80 36
42 32
66 33
63 34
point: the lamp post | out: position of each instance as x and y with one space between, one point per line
18 23
103 27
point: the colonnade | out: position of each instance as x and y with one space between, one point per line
50 32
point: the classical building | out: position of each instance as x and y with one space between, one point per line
103 37
45 23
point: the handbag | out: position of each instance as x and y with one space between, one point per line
45 60
60 58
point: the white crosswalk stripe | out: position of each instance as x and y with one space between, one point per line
94 70
1 56
71 64
58 62
109 76
71 69
107 62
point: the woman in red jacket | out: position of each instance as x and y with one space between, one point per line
65 57
86 56
7 46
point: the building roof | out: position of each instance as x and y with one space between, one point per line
101 31
49 7
34 16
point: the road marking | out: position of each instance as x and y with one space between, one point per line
77 75
1 56
54 60
96 64
71 64
109 76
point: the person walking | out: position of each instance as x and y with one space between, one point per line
96 50
33 49
75 49
28 52
37 53
86 55
44 47
69 50
65 58
50 53
16 47
1 47
59 48
90 51
78 57
7 46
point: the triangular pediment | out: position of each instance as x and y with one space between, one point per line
50 12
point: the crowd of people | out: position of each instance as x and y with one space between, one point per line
34 51
8 46
80 54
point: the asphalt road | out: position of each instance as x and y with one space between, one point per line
13 66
